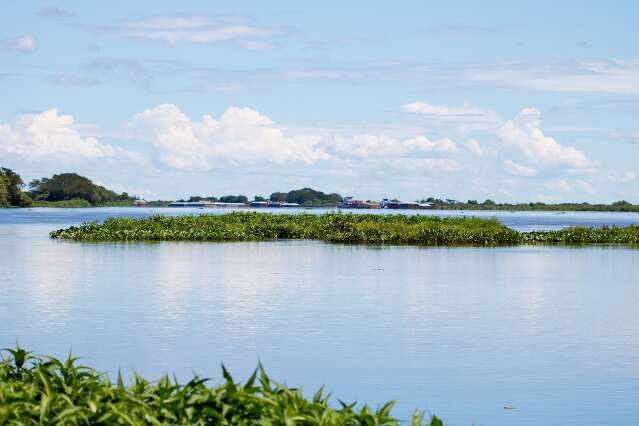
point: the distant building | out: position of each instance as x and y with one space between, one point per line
350 203
205 204
407 205
272 204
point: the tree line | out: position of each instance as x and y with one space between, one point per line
448 204
70 188
307 197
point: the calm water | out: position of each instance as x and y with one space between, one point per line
460 332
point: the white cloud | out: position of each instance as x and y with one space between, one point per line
474 147
468 116
241 135
25 43
518 169
199 29
628 177
56 12
562 185
380 146
244 136
50 135
445 165
523 134
617 76
438 110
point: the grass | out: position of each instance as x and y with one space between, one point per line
339 228
41 390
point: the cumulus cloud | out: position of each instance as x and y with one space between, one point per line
48 135
199 29
523 134
371 146
562 185
518 169
244 136
241 135
474 147
25 43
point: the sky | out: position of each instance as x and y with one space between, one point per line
509 101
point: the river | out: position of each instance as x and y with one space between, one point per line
459 332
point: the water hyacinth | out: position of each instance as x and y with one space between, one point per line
41 390
332 227
339 228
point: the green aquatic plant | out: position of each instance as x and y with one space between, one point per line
339 228
42 390
332 227
585 235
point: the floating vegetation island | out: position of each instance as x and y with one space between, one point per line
46 391
339 228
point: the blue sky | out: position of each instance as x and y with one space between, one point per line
513 101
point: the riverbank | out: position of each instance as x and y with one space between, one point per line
45 390
339 228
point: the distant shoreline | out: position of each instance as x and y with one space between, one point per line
548 208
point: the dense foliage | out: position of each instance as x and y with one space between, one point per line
307 197
11 194
339 228
333 227
70 186
46 391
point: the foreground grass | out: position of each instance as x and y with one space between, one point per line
47 391
339 228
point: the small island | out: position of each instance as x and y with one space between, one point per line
339 227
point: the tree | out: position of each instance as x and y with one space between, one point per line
259 198
234 199
11 193
278 196
4 191
68 186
